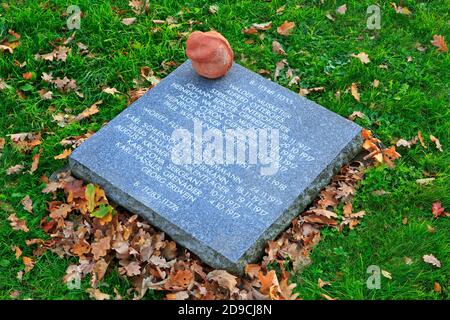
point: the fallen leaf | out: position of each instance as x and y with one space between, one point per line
254 28
408 260
422 142
14 169
362 56
407 143
213 9
330 17
342 9
328 297
277 48
100 247
268 281
437 209
431 259
5 48
286 28
386 274
437 287
27 75
93 109
375 83
355 93
401 10
356 114
223 278
29 263
111 91
27 204
180 280
128 21
35 163
17 251
436 142
321 283
97 294
278 67
439 42
63 155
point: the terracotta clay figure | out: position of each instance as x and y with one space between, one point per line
210 53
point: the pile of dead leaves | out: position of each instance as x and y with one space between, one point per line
104 237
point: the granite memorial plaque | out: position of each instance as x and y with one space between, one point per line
220 165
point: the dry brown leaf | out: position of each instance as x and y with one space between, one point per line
93 109
64 154
128 21
223 278
267 281
286 28
431 259
401 10
342 9
437 287
97 294
277 48
439 42
422 142
375 83
100 247
321 283
14 169
111 91
27 204
17 251
436 142
180 280
2 143
327 297
355 92
362 56
35 163
254 28
356 114
29 263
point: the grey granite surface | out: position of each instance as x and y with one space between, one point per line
223 213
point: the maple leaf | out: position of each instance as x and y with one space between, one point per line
252 270
437 209
286 28
14 169
439 42
223 278
180 280
81 247
355 93
436 142
277 48
101 247
131 269
128 21
362 56
267 281
431 259
63 155
111 91
342 9
27 204
93 109
29 263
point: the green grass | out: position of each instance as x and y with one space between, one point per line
412 96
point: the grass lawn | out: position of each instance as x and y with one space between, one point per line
412 95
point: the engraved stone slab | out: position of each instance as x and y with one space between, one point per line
223 211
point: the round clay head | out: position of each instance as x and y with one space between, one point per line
210 53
